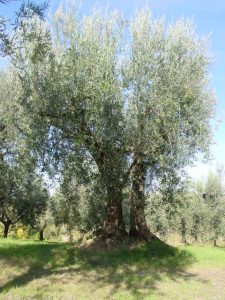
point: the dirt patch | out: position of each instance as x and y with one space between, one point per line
214 276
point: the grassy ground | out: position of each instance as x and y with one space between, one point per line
33 270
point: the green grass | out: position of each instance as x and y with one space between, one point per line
34 270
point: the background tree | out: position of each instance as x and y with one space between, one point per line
43 221
22 194
81 201
214 197
24 200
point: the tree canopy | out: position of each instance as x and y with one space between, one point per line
130 100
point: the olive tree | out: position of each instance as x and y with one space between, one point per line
9 28
133 96
169 102
214 197
76 90
22 194
23 199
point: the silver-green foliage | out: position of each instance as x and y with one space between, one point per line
116 88
22 194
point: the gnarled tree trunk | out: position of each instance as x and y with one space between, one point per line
138 174
114 225
133 232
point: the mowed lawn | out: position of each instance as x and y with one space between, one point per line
34 270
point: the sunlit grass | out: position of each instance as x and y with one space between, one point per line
34 270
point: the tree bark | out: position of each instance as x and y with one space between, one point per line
215 241
195 238
183 231
138 174
133 232
114 225
6 229
41 235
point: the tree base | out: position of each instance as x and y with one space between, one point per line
134 234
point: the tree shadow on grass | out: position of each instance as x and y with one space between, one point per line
135 270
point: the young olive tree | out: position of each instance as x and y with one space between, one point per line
214 197
45 223
199 214
202 209
23 200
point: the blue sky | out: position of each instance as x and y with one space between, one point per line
209 17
